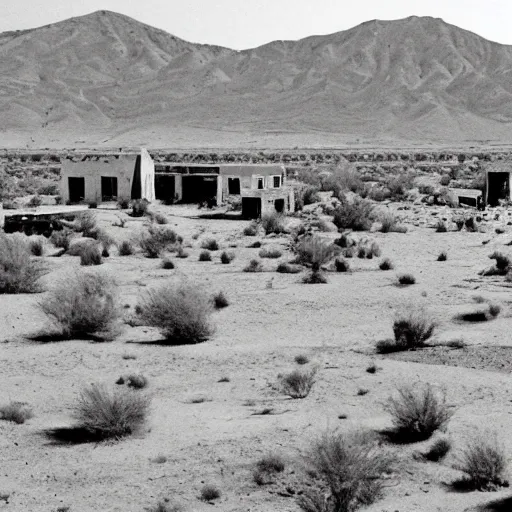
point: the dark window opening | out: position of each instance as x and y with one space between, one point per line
279 205
277 181
234 186
260 183
108 188
76 189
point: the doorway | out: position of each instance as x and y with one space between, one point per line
279 205
165 188
108 188
499 187
76 189
234 186
198 189
251 207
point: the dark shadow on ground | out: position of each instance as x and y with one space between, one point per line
55 337
503 505
70 436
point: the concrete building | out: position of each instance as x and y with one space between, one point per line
261 188
108 178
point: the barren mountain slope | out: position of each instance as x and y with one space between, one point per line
107 78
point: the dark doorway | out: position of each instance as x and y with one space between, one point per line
198 189
137 180
76 189
498 187
165 188
108 188
234 186
279 205
251 207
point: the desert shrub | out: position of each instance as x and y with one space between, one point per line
445 180
441 227
386 264
181 312
85 223
254 266
159 218
438 450
251 229
470 225
167 263
351 468
18 273
267 467
399 185
484 461
313 251
90 255
406 279
226 257
79 246
139 207
314 277
36 247
136 381
379 193
426 189
88 307
61 239
494 310
156 240
502 262
341 265
126 248
93 204
205 256
390 224
210 493
210 244
417 412
298 383
162 506
306 195
270 253
50 189
349 252
110 415
123 204
356 215
273 223
16 412
287 268
35 201
344 241
220 300
443 256
181 253
254 245
301 359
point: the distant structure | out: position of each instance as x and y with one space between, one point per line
108 178
261 188
498 182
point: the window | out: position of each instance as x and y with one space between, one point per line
277 181
260 183
234 186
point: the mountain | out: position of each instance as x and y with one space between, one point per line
106 79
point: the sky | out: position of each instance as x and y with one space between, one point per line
242 24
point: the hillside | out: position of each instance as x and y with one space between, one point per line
106 79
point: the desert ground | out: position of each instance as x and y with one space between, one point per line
217 408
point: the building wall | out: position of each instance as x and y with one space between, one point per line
147 175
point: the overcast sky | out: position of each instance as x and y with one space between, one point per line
242 24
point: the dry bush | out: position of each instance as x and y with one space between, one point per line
205 256
107 414
351 468
417 412
254 266
227 257
273 223
344 241
220 300
441 227
210 244
162 506
314 277
89 307
399 185
134 380
251 229
158 218
181 253
270 253
167 263
90 255
341 265
494 310
62 239
306 195
386 264
139 207
484 461
126 248
123 204
406 279
85 223
287 268
356 215
443 256
181 312
254 245
16 412
390 224
503 263
210 493
266 468
36 247
298 383
438 450
156 240
368 250
301 359
18 272
313 251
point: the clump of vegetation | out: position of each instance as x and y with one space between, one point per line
159 218
162 506
356 215
205 256
251 229
156 240
406 279
139 207
35 201
441 227
110 415
344 241
270 253
210 493
123 204
417 412
126 248
443 256
16 412
386 264
341 265
181 253
485 463
266 468
254 266
62 239
494 310
36 247
306 195
438 450
314 277
227 257
286 268
411 329
301 359
350 469
254 245
390 224
86 224
273 223
502 266
220 300
314 252
18 272
134 380
298 383
210 244
181 312
167 263
90 255
368 250
89 307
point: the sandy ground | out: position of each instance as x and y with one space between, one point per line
257 337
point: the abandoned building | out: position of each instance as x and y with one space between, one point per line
498 182
261 188
108 178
